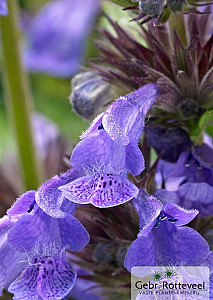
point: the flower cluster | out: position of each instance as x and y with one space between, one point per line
189 181
39 229
141 172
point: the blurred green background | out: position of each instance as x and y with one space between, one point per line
50 94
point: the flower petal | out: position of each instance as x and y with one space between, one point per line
73 233
119 119
140 253
99 150
144 97
197 192
49 198
29 229
188 247
12 263
93 128
182 215
170 142
204 154
24 287
149 209
168 196
199 196
134 159
22 204
56 278
101 190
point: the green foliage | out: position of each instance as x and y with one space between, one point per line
125 3
205 123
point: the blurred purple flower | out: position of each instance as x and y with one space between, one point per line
3 7
162 239
189 182
56 38
109 149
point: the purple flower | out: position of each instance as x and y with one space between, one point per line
35 227
46 134
51 200
84 289
162 239
12 263
169 142
28 234
189 182
3 7
57 36
109 149
49 276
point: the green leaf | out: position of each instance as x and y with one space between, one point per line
206 119
204 123
165 16
125 3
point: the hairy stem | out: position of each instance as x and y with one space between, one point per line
18 96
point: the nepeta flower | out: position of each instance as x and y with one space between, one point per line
49 276
162 239
57 36
110 148
35 227
27 231
189 182
3 7
12 263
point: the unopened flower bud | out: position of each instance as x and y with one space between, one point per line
188 108
90 93
151 7
102 254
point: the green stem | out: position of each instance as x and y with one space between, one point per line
176 21
18 96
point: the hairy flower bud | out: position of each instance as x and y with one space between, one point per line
151 7
188 108
90 93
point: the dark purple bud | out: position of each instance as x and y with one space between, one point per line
168 141
188 108
102 254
